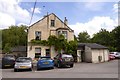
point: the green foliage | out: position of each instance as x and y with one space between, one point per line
7 48
116 38
39 42
60 43
52 40
103 37
14 36
84 37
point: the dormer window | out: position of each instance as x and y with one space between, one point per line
52 23
37 35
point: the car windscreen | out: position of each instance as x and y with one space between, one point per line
23 60
45 58
63 56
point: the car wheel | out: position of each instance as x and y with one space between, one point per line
3 66
38 69
71 65
15 70
30 69
52 67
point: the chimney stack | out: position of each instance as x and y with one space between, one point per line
66 21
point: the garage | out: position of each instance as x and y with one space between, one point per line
92 52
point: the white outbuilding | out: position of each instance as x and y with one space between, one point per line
92 52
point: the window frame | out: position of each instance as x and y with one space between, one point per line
52 23
38 35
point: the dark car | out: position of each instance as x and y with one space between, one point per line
63 60
45 62
8 61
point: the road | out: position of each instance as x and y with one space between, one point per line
80 70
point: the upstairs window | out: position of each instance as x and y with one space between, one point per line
37 35
52 23
64 34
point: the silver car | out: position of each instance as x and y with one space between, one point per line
115 54
23 63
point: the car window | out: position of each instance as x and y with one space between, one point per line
111 53
117 53
45 58
23 60
66 56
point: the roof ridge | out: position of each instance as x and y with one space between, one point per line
49 15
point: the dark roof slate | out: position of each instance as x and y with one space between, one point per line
92 45
19 49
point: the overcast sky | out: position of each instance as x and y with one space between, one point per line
82 16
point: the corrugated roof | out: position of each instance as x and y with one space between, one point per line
92 45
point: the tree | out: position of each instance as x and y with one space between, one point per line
14 36
84 37
116 38
7 48
103 37
52 40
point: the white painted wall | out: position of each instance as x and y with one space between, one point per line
95 54
100 52
88 54
106 52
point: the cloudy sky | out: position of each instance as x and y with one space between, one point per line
82 16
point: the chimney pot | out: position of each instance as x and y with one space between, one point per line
66 21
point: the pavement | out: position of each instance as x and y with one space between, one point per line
80 70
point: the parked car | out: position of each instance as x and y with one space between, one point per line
8 61
111 57
45 62
62 60
115 54
23 63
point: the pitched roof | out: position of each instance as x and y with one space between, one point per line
92 45
19 49
49 15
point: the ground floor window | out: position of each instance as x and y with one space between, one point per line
47 52
37 52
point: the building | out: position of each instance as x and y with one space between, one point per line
19 51
92 52
42 29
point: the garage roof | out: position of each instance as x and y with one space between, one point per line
19 49
92 45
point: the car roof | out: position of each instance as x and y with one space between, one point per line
24 57
114 52
45 57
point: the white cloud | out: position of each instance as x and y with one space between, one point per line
6 20
37 10
14 13
115 7
94 25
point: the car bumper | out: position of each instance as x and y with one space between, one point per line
22 67
45 66
66 63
